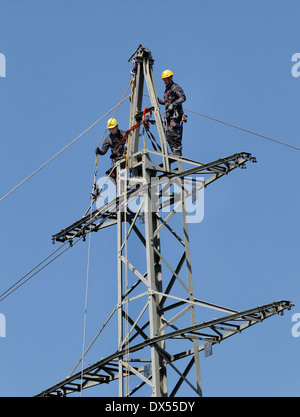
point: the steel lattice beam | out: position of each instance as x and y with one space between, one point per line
215 331
106 215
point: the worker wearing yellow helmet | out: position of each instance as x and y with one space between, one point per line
111 123
115 141
173 98
167 74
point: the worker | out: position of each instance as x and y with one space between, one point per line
113 141
173 98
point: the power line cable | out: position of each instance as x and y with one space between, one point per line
24 276
240 128
19 283
245 130
63 149
22 280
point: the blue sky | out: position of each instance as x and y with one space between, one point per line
66 66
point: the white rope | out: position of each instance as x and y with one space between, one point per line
86 302
93 341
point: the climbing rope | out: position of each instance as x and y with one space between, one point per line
125 250
126 278
95 192
93 341
86 303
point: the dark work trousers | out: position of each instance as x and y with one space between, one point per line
173 133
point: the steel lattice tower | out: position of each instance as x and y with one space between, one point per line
159 335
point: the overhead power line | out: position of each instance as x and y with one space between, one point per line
245 130
41 265
63 149
32 273
35 270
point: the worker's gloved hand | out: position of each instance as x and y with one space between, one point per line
170 108
113 156
97 151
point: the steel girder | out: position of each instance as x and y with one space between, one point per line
106 215
213 331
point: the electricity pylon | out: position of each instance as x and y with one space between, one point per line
157 196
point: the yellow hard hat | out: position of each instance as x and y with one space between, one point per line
167 74
111 123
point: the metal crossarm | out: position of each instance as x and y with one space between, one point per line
106 215
217 330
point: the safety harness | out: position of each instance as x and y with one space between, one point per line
145 123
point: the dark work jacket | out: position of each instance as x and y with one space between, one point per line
111 141
174 95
